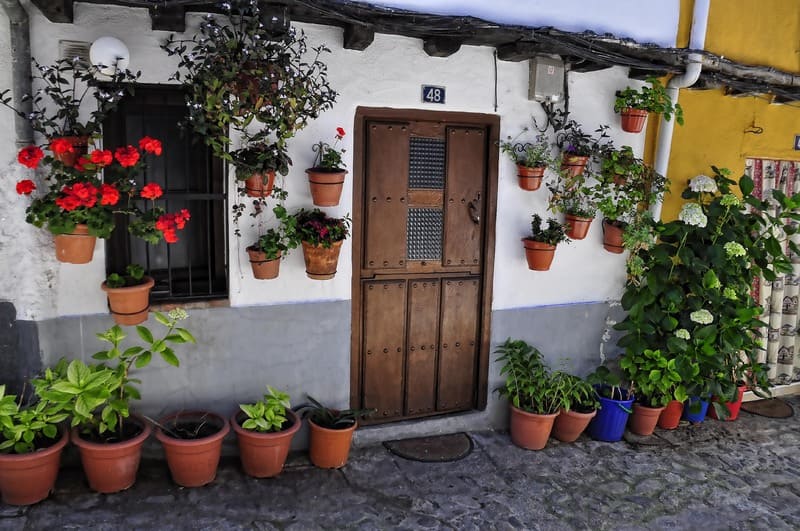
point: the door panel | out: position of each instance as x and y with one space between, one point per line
466 163
423 339
384 346
458 348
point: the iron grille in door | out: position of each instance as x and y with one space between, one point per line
196 266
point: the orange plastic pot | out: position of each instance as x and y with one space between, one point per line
320 261
263 454
530 430
112 467
574 164
326 186
263 268
130 305
632 120
80 146
578 226
76 247
670 417
569 425
733 407
612 237
329 448
530 179
259 186
539 255
644 419
193 462
28 478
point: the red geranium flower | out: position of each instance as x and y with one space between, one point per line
59 146
339 132
101 157
170 236
30 156
81 163
152 191
68 203
25 187
150 145
108 194
127 156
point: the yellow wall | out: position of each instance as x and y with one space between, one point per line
765 32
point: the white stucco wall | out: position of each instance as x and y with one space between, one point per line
388 73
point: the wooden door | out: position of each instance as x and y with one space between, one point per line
421 298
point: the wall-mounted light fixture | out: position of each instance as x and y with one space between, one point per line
275 18
109 54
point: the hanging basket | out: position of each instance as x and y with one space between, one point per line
578 226
575 164
263 267
326 186
76 247
259 184
538 254
80 146
320 261
530 179
633 120
612 237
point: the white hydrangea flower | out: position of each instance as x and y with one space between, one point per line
692 214
177 314
702 316
730 200
733 249
703 183
682 333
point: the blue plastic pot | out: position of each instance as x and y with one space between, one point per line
609 423
691 412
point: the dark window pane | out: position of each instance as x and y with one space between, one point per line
426 163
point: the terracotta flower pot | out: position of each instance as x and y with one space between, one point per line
574 163
193 462
29 478
263 454
80 146
321 262
76 247
530 179
632 120
263 268
733 407
612 237
326 186
329 448
257 186
112 467
538 254
644 419
131 304
569 425
529 430
670 417
578 226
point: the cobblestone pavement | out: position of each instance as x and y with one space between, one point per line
739 475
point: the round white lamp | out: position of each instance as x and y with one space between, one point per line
109 54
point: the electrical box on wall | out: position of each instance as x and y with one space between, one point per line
546 79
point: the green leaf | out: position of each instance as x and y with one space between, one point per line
746 185
161 318
170 357
144 359
186 335
144 333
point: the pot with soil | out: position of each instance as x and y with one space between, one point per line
612 236
28 478
670 417
192 442
569 425
644 418
731 407
331 432
129 295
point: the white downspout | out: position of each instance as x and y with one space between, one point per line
697 41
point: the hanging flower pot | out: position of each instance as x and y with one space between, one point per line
570 424
644 419
263 267
530 179
633 120
670 417
575 164
733 407
68 149
28 478
321 261
76 247
129 305
612 236
260 184
538 254
578 226
326 186
192 442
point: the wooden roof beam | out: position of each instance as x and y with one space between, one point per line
170 18
358 37
517 51
56 10
441 46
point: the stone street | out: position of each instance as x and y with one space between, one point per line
715 475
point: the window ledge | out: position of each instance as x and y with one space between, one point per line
190 305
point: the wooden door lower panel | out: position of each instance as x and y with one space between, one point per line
423 342
458 349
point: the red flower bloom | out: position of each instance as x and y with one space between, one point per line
108 194
30 156
59 146
185 214
339 132
81 163
101 157
68 203
152 191
170 236
25 187
127 156
83 191
150 145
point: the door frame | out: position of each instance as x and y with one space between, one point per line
492 124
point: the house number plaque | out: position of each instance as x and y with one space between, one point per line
432 94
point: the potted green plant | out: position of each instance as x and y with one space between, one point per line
257 163
534 395
266 253
129 295
322 238
31 442
634 105
616 401
540 246
331 432
326 177
572 196
579 405
576 146
531 158
265 430
97 397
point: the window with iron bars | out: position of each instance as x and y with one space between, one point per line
195 267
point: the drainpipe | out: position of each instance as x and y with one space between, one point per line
697 41
20 67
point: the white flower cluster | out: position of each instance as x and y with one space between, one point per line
178 314
692 214
682 333
734 249
702 316
703 183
